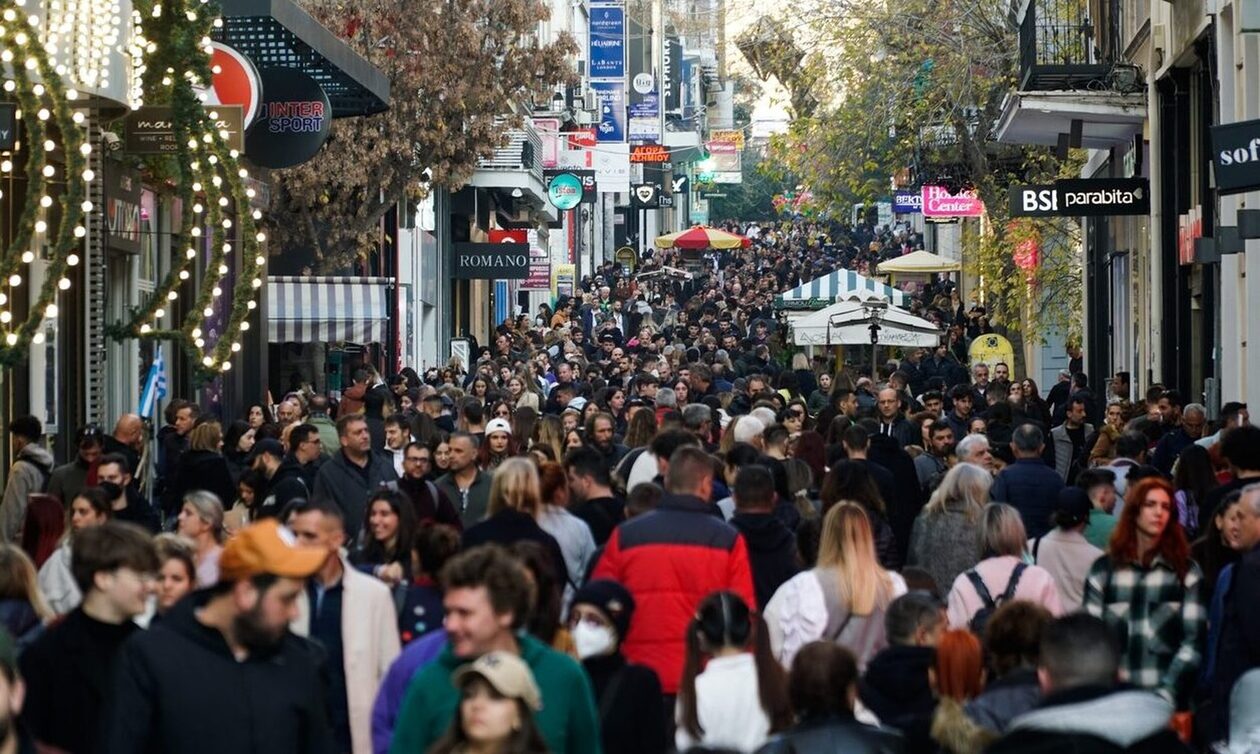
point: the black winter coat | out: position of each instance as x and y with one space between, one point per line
835 733
67 673
896 688
199 470
771 552
178 688
628 716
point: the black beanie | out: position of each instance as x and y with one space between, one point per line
612 599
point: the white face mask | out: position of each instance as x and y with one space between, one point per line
592 641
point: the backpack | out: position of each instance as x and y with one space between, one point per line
981 618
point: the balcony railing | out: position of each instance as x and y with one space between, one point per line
1057 48
521 152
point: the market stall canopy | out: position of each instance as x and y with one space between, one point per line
702 237
841 284
328 309
919 262
847 323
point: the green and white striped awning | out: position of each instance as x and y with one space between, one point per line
839 285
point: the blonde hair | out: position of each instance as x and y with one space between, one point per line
966 484
18 580
515 486
206 436
847 545
550 432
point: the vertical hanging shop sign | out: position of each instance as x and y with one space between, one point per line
607 42
611 96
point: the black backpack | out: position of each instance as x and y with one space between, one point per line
981 618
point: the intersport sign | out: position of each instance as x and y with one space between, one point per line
1236 156
1085 197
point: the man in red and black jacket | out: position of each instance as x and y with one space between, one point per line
672 558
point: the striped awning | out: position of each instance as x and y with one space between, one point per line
841 284
329 309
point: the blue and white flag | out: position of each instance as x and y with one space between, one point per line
154 385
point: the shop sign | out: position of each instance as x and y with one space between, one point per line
151 129
1082 197
1189 228
235 81
565 191
645 196
580 138
539 277
8 126
587 177
680 184
611 96
908 201
649 153
671 73
562 282
122 207
938 202
491 261
294 120
1236 156
607 42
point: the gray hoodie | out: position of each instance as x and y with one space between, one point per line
1123 717
25 478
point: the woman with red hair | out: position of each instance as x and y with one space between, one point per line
1148 590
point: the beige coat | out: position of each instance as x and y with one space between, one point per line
369 637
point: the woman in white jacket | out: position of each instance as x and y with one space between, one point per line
91 507
842 599
741 696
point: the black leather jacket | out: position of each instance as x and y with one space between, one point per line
834 733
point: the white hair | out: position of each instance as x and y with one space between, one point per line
748 428
970 446
765 415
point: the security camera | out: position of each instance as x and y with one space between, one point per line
113 142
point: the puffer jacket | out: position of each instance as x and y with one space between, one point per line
835 733
670 559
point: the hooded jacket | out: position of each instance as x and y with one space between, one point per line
771 552
1094 720
291 481
178 687
895 687
835 733
199 470
28 474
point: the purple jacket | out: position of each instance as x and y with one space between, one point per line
414 656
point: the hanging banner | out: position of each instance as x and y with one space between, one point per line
671 76
607 42
611 96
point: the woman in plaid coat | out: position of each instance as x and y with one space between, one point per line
1148 590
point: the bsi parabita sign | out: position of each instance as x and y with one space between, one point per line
490 261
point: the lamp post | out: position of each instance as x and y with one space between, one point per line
875 309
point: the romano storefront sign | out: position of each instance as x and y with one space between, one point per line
1086 197
1236 156
491 261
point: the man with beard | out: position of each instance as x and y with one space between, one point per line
221 672
430 504
600 435
932 465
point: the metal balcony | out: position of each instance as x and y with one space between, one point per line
520 153
1057 48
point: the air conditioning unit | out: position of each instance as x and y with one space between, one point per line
590 102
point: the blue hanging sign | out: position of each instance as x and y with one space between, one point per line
611 96
608 42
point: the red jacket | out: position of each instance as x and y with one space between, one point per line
670 559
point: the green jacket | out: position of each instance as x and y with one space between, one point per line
327 433
568 720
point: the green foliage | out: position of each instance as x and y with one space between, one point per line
752 199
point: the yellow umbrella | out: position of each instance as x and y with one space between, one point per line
702 237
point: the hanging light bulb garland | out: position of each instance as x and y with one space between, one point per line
51 128
171 52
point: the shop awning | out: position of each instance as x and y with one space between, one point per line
919 262
328 309
841 284
846 323
280 34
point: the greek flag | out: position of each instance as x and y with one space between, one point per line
154 385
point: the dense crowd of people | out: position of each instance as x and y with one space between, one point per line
640 521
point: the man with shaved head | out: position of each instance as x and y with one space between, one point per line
891 421
127 440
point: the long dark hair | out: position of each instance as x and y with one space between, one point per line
379 553
1194 474
849 480
526 739
723 619
544 619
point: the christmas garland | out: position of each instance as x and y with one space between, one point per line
171 41
45 112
